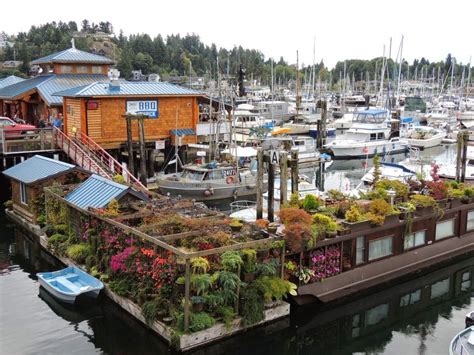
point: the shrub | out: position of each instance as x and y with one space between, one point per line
197 321
266 268
262 223
151 309
231 260
41 220
78 252
325 223
423 200
227 314
120 287
400 188
251 305
438 190
457 193
172 224
249 257
236 223
61 228
294 215
228 280
468 192
119 179
353 215
341 208
274 288
380 207
199 265
311 203
296 236
57 243
201 283
336 195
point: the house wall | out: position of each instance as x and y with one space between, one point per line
68 68
73 114
108 127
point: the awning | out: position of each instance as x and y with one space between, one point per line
183 132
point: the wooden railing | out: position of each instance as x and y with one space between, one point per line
34 140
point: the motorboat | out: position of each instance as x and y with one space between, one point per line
212 181
424 137
303 124
370 134
67 284
463 342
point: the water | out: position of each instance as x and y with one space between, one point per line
419 316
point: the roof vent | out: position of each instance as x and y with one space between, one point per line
114 76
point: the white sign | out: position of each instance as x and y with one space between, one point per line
274 156
144 107
201 153
160 145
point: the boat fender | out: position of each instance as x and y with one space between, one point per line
229 180
209 192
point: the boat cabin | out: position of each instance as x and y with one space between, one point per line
370 116
210 172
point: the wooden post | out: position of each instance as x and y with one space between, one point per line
283 177
131 164
294 171
465 138
187 288
237 291
141 135
271 191
260 183
41 134
282 262
322 132
151 163
459 155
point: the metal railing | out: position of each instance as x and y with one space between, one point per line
107 161
31 141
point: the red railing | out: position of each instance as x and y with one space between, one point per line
77 154
108 161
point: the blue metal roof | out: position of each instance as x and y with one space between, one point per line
183 132
96 192
126 88
10 80
73 55
47 85
37 168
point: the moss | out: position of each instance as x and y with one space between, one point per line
353 215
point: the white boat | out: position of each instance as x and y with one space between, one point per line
463 342
424 137
343 123
370 134
306 146
303 124
244 120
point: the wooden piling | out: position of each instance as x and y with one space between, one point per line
465 137
294 171
187 288
141 135
131 165
260 183
271 191
283 177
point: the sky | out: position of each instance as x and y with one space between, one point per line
340 29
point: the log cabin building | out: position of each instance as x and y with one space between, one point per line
33 98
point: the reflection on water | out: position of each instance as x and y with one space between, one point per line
415 317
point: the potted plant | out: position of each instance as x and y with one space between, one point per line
236 225
304 274
249 258
180 281
296 237
197 303
424 204
272 227
326 225
381 212
355 219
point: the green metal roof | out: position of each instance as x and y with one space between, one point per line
127 88
73 55
37 168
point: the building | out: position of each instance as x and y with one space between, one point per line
10 80
67 69
4 41
30 177
98 110
11 64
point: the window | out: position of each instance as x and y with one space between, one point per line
439 288
96 69
380 135
414 240
376 314
360 250
373 136
465 281
356 326
23 195
380 248
410 298
444 229
81 69
66 69
470 221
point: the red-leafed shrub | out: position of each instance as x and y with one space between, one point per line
293 215
296 236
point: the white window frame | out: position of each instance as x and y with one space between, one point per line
360 248
377 240
23 194
469 228
413 235
453 233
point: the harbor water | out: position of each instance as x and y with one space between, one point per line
414 316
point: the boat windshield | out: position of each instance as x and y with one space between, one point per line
192 174
364 117
213 175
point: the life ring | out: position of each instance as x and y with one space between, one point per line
229 180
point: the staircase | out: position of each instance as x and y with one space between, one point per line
89 155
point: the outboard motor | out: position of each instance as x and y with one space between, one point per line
470 319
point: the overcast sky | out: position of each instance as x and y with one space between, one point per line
344 29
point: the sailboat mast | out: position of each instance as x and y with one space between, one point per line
400 69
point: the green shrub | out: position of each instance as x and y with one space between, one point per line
274 287
61 228
201 283
399 187
120 287
119 179
311 203
468 192
91 261
251 305
227 314
325 223
199 265
57 243
152 309
78 252
228 280
423 200
354 215
266 268
41 220
231 260
197 321
249 257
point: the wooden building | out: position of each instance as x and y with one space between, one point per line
30 177
98 110
33 98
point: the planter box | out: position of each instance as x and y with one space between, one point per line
455 202
444 204
392 219
424 211
356 227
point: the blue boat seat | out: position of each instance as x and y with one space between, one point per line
64 281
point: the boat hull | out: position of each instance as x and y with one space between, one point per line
425 143
370 149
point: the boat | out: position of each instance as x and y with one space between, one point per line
208 182
67 284
463 342
371 133
424 137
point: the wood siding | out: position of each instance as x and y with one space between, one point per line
94 122
73 112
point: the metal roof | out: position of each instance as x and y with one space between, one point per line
47 85
73 55
126 88
96 192
37 168
183 132
374 112
10 80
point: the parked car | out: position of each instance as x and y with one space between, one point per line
12 129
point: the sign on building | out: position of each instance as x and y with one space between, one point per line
143 107
160 144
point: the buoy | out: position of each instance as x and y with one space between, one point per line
365 150
229 180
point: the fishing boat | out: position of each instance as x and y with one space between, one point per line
463 342
371 133
424 137
208 182
67 284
